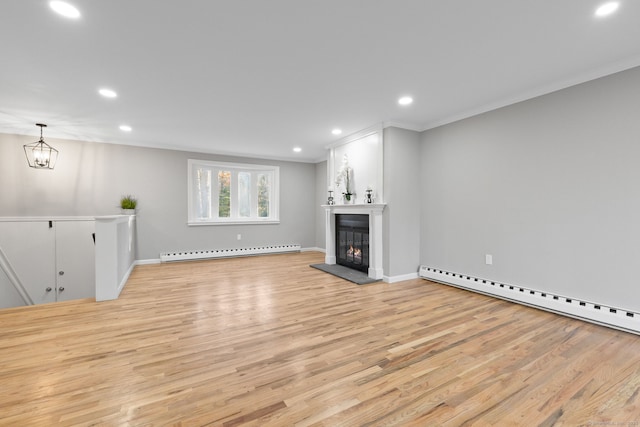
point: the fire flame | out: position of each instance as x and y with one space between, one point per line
357 252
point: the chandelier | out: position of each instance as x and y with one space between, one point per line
41 155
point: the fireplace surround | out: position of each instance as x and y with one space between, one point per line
374 213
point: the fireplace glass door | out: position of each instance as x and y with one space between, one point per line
352 241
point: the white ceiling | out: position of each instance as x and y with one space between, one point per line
258 77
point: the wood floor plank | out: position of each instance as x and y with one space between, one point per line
269 341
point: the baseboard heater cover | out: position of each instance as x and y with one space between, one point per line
614 317
226 253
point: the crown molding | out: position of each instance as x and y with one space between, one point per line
542 90
357 135
404 125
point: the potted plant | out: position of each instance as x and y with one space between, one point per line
128 204
344 177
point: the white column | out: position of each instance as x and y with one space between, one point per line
375 244
330 248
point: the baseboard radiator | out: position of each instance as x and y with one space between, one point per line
226 253
614 317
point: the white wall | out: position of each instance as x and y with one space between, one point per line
9 296
364 153
550 187
89 179
321 199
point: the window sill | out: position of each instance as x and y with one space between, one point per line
201 223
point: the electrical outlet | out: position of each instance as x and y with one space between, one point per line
488 259
239 236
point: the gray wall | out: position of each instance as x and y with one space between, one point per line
401 217
549 187
90 178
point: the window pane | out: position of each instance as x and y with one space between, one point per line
224 194
263 195
203 194
244 194
232 193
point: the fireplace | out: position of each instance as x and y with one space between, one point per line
352 241
373 229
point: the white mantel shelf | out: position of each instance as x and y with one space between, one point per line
374 210
364 208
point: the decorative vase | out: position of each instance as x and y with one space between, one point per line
128 211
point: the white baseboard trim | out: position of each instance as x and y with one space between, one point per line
124 279
399 278
107 290
147 261
601 314
313 250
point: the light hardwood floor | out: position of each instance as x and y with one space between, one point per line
269 341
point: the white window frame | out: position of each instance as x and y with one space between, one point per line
234 168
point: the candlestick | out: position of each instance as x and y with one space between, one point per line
368 198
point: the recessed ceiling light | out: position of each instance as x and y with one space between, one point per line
297 149
336 131
607 9
405 100
64 9
107 93
126 128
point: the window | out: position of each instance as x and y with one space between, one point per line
232 193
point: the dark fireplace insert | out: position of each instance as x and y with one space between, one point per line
352 241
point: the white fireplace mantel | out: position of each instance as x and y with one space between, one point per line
374 210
